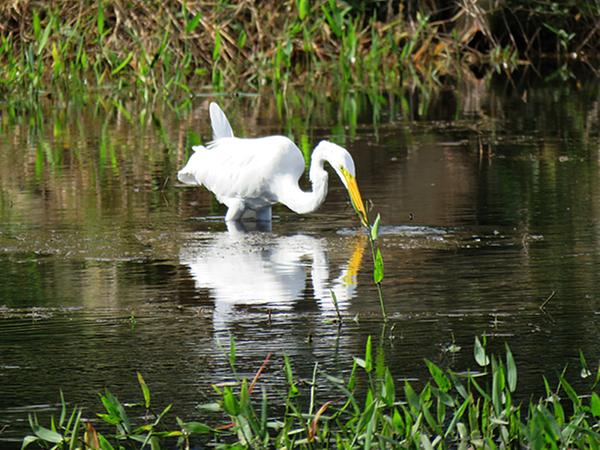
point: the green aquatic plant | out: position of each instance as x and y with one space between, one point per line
182 47
368 408
71 431
372 234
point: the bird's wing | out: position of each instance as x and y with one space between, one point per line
220 124
247 168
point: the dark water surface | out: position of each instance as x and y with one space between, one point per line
490 203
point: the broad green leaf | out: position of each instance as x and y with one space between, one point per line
104 443
595 403
211 407
411 397
28 440
116 411
145 390
369 356
438 375
388 389
511 369
360 362
100 19
480 356
37 27
497 386
47 435
378 271
230 403
217 48
397 420
570 392
303 8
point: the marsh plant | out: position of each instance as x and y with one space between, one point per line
178 48
369 408
372 234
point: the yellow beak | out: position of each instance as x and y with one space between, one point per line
355 196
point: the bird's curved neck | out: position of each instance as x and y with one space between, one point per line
303 202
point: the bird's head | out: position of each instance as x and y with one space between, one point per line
343 164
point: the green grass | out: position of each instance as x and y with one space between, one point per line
366 409
180 48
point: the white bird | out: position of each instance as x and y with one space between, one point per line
251 175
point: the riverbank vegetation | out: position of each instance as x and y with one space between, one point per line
369 408
180 47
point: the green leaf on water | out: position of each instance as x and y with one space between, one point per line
47 435
511 368
232 352
195 427
145 390
585 372
438 375
378 270
230 403
480 356
595 403
210 407
28 440
411 397
369 356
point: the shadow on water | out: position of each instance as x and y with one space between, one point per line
490 199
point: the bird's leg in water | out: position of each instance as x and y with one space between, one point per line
236 208
263 214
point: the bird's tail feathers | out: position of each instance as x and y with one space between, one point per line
220 124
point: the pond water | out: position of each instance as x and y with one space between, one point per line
490 203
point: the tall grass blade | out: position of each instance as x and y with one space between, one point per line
193 23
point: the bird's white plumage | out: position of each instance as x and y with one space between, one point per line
250 175
220 124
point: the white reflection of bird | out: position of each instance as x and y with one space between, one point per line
250 175
252 269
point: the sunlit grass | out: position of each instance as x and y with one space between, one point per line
178 49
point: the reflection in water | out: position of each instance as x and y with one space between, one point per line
490 199
253 268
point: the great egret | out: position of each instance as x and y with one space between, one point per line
250 175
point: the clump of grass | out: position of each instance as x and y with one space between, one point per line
179 47
369 408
